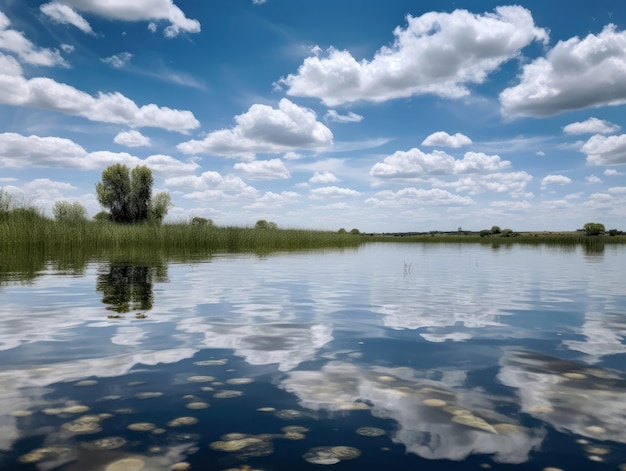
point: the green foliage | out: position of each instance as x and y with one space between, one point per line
102 216
7 201
198 221
263 224
342 231
614 232
507 233
64 211
485 233
593 228
159 206
495 230
128 195
355 231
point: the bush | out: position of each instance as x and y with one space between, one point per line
198 221
495 230
64 211
355 231
593 228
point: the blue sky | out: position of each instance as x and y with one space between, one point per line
386 116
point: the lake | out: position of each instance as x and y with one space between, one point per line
389 356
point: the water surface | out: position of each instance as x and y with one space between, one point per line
409 356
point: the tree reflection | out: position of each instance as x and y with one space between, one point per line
127 287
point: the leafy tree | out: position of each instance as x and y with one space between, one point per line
593 228
159 206
264 224
102 216
342 231
64 211
198 221
355 231
495 230
128 195
485 233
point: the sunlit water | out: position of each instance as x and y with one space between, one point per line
407 356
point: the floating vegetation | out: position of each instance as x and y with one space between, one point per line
248 446
370 431
207 389
180 421
456 410
227 394
86 382
197 405
387 379
83 426
75 409
126 464
142 427
266 409
52 410
239 381
432 402
294 432
107 443
288 414
22 413
148 395
45 454
158 431
573 375
474 422
201 379
182 466
507 429
328 455
220 362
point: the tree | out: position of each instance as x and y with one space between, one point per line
495 230
159 207
593 228
102 216
355 231
64 211
128 195
264 224
199 221
342 231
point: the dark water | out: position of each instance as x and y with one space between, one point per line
458 357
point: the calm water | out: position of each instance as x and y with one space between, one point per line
394 357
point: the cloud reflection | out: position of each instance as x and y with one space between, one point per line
399 394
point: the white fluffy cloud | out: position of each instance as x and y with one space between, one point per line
417 196
263 129
513 182
323 177
611 172
575 74
416 164
16 43
437 53
45 93
443 139
138 10
605 150
555 180
118 61
132 139
18 151
332 192
210 186
263 169
63 14
351 117
591 126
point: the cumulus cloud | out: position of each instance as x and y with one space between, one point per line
63 14
417 196
132 139
416 164
274 200
605 150
211 185
16 43
437 53
18 151
118 61
263 129
323 177
513 182
443 139
351 117
555 180
45 93
575 74
138 10
611 172
517 206
332 192
263 169
591 126
593 179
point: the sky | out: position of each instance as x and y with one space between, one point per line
382 116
